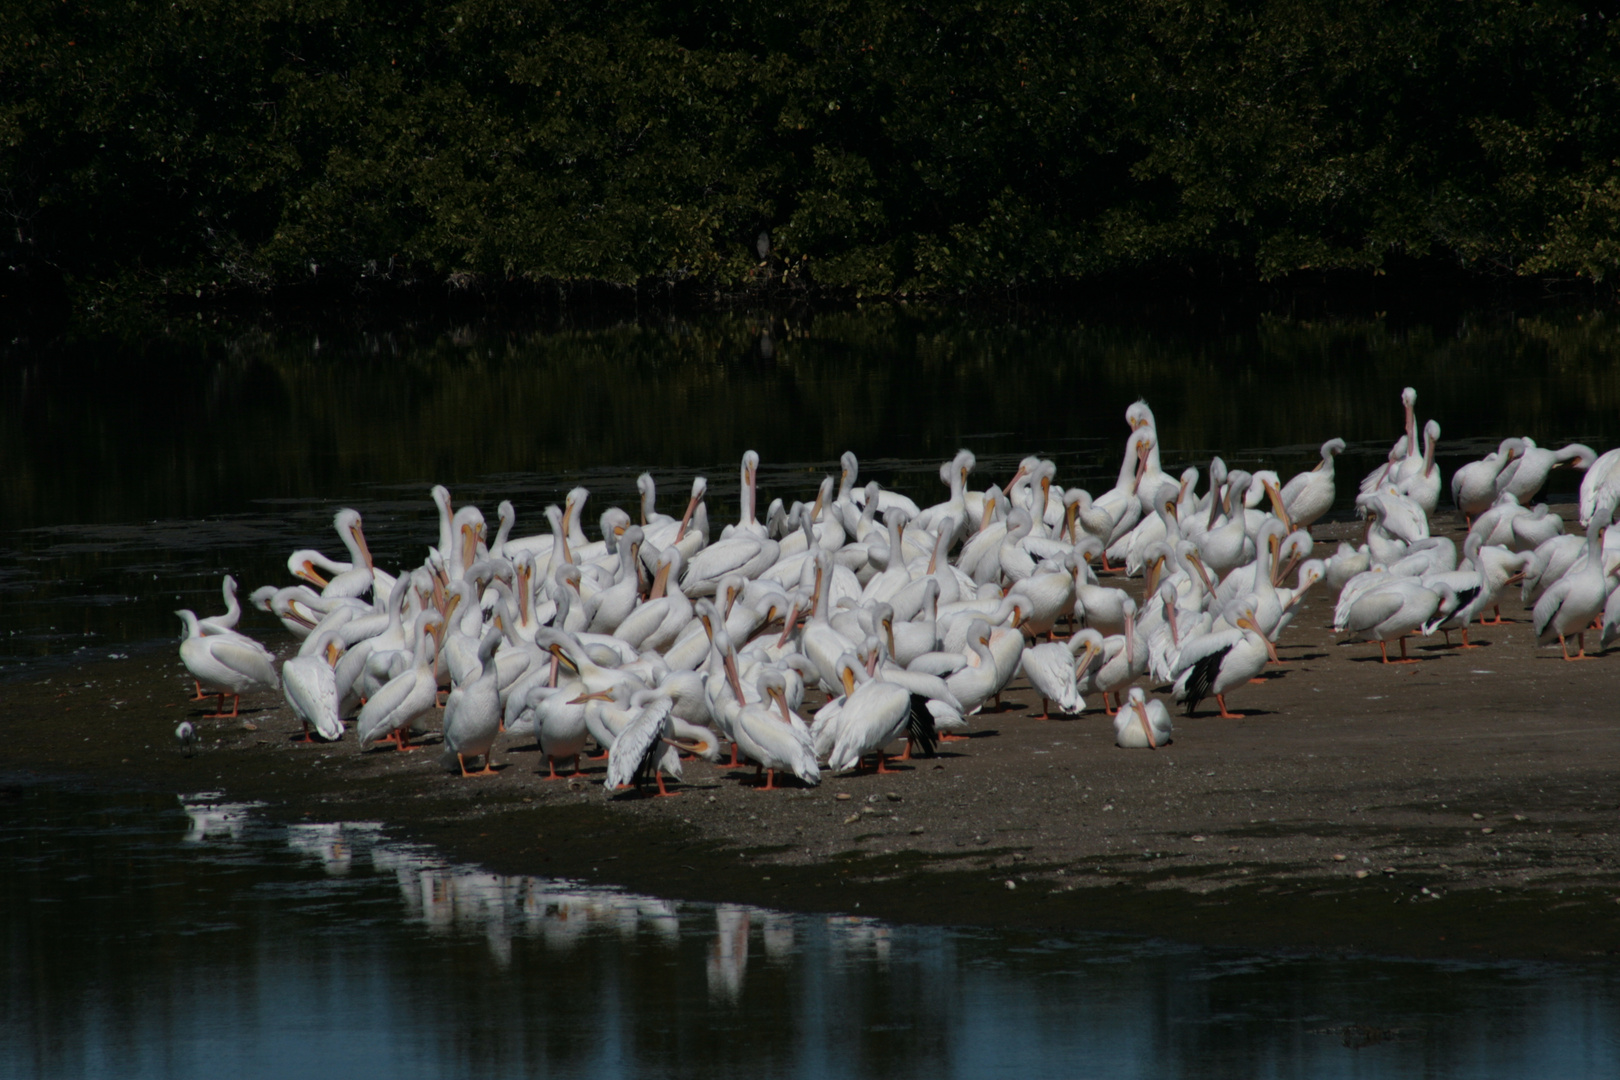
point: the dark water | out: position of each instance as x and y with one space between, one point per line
154 937
133 476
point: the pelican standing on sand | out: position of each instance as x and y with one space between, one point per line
225 663
1219 661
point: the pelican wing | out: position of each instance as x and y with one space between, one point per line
377 717
1197 649
1374 607
310 687
246 657
638 747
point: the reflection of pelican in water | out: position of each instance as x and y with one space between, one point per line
778 935
661 916
728 956
850 936
325 842
209 820
463 899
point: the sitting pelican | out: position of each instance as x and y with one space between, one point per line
1142 722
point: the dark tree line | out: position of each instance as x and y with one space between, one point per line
888 146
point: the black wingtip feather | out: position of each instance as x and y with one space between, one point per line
920 728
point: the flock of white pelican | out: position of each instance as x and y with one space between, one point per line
663 638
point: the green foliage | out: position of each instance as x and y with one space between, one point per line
886 147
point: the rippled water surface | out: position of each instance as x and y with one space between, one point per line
150 936
133 475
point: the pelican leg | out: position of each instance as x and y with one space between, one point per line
733 763
219 712
905 755
1045 709
1580 655
603 756
1404 658
883 765
1498 621
770 781
662 793
200 695
576 774
307 737
551 766
1106 707
1226 714
946 736
1466 644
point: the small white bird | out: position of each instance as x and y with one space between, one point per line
1142 723
186 735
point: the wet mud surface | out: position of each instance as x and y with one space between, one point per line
1465 805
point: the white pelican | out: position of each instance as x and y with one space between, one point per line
1529 473
743 552
392 710
1495 526
1422 483
1120 502
226 663
874 714
1397 608
1574 600
1397 515
1477 588
1600 484
647 745
1404 447
769 735
1050 669
978 680
472 713
1215 663
310 685
1473 486
1532 530
1142 723
886 500
216 624
1309 495
659 620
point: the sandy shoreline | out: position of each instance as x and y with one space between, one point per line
1472 798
